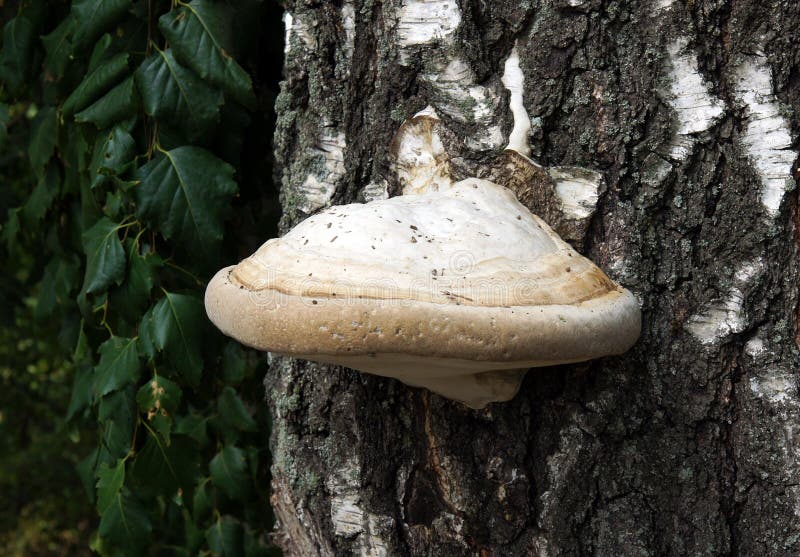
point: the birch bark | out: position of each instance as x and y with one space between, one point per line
685 117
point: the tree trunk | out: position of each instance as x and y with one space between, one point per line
684 445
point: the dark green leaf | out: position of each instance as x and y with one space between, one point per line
166 466
193 425
234 365
176 329
41 198
109 483
117 416
194 536
58 47
95 84
100 52
113 152
232 411
159 399
94 17
187 193
225 537
11 228
172 93
4 118
126 523
43 138
133 296
228 472
85 469
200 35
119 365
61 278
201 502
105 258
15 58
118 104
82 354
81 391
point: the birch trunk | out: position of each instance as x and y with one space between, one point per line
688 112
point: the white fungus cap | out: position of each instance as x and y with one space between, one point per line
447 290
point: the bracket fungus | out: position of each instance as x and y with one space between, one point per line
453 286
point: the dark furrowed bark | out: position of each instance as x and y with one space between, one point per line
684 445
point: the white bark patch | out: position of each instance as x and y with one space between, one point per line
663 4
376 190
577 188
725 317
349 25
514 81
287 23
349 519
346 515
425 21
457 96
373 544
689 96
297 28
777 387
317 190
766 138
755 347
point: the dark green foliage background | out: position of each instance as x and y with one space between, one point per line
134 160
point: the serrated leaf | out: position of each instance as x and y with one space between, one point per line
117 414
175 327
95 16
225 537
95 84
81 395
15 58
133 296
174 94
105 258
228 472
58 47
187 192
201 502
233 412
126 523
159 399
99 52
61 277
4 118
234 365
43 138
109 483
193 425
200 35
11 228
85 469
113 153
118 104
166 466
119 365
41 198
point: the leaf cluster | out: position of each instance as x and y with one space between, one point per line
121 136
